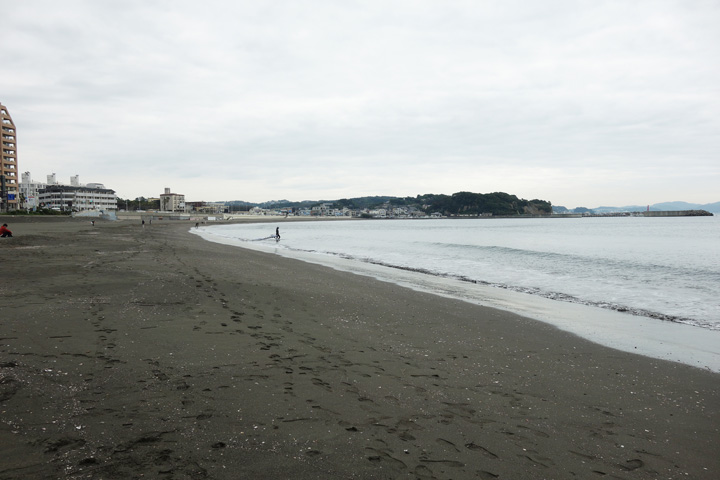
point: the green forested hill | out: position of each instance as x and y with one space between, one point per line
497 203
460 203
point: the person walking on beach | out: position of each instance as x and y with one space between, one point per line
277 234
4 231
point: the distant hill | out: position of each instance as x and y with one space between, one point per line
460 203
710 207
496 203
657 207
628 208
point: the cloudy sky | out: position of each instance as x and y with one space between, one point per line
582 103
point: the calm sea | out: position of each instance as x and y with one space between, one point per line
665 268
652 270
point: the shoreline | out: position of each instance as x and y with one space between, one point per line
657 338
129 351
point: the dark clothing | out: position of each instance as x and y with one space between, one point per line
4 232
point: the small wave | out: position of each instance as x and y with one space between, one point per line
592 276
579 261
558 296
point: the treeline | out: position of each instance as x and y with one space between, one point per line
497 203
140 203
460 203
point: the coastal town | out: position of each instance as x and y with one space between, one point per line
94 198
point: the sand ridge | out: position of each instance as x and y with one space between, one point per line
128 351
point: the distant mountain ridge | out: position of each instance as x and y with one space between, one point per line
656 207
710 207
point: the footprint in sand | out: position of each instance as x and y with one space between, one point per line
481 449
633 464
484 475
321 383
382 456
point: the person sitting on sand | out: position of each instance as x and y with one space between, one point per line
4 231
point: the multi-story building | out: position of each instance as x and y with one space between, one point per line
9 194
172 202
76 198
29 191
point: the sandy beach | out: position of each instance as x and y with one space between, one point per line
148 352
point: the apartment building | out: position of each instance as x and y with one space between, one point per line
29 191
172 202
9 194
77 198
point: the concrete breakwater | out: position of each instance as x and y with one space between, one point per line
666 213
678 213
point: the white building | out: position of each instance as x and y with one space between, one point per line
29 191
74 197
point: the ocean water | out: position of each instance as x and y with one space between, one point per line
646 272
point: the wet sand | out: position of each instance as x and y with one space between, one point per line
130 352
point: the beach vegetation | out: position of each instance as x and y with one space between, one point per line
38 211
140 203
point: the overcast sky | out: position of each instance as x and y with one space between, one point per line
582 103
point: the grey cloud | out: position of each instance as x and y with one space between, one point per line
355 95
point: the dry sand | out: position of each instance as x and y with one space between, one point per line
130 352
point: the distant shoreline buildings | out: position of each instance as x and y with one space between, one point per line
74 197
